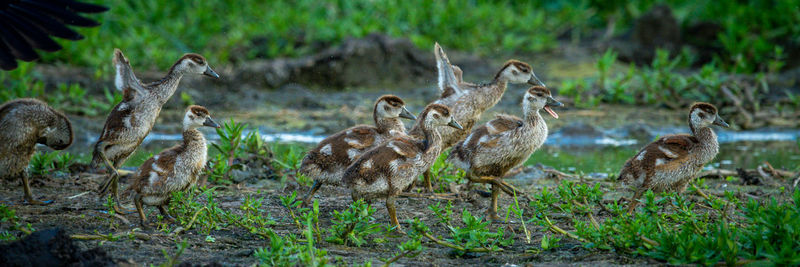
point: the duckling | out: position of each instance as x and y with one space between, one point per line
672 161
503 143
132 119
29 24
326 162
174 169
25 122
469 100
387 169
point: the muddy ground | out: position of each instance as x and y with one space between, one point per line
79 213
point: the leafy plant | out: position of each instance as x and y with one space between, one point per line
410 248
353 225
191 213
8 216
173 260
287 251
549 243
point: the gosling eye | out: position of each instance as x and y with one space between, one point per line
540 95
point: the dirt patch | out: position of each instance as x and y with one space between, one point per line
371 61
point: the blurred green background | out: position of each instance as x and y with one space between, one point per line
233 31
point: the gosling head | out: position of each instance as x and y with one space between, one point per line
539 97
439 115
197 116
389 107
515 71
194 63
704 115
58 134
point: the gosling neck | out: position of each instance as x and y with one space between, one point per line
386 125
165 87
532 115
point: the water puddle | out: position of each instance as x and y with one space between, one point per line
601 151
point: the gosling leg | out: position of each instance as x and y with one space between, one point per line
140 209
28 195
165 214
635 200
392 213
428 185
493 206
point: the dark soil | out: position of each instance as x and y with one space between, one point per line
51 247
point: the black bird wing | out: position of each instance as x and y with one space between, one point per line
28 24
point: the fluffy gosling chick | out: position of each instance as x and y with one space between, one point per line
132 119
503 143
469 100
174 169
326 162
672 161
24 123
384 171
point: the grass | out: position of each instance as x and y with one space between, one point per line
73 98
752 35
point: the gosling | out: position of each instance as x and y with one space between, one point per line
132 119
384 171
326 162
672 161
24 123
174 169
503 143
469 100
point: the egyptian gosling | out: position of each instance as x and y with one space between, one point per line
326 162
469 100
494 148
384 171
174 169
24 123
672 161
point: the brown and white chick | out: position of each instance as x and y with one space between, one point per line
384 171
132 119
326 162
174 169
469 100
672 161
494 148
24 123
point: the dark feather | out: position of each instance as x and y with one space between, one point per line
47 24
28 24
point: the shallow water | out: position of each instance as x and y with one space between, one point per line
605 152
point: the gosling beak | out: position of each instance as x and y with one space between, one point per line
552 102
407 115
453 123
210 123
211 73
535 80
719 121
